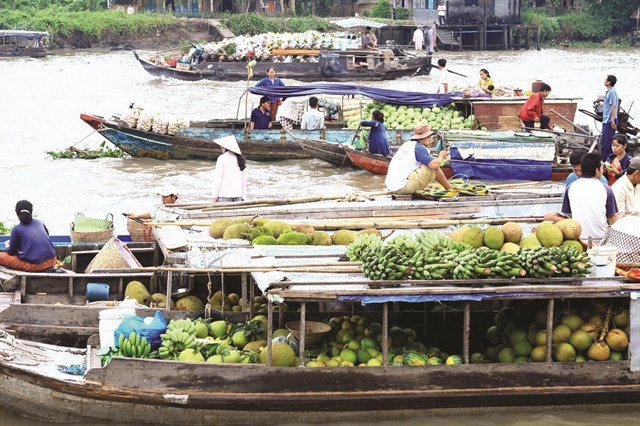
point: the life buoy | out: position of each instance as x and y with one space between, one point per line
220 73
328 71
16 51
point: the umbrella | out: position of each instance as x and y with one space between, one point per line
357 22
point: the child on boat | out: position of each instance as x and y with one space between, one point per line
378 143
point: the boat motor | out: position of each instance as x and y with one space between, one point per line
331 107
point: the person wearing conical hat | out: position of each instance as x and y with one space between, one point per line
413 167
229 180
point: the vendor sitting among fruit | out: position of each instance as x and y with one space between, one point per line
261 116
413 167
588 200
378 143
29 248
618 161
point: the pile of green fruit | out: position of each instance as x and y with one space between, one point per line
403 117
471 253
595 333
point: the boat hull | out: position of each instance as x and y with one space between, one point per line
164 392
375 163
332 153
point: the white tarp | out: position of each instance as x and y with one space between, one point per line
358 22
505 150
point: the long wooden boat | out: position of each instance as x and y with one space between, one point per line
375 163
14 43
332 153
332 65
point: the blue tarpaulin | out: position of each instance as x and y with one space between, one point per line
396 97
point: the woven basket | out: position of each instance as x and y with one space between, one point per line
139 232
89 224
114 255
91 237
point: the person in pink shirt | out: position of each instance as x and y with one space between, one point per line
229 182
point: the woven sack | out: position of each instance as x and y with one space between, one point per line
628 245
139 232
89 224
114 255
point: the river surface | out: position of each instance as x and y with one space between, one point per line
41 100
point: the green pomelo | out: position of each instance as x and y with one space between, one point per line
218 328
239 339
202 330
538 354
574 322
506 355
561 334
233 357
215 359
510 247
282 355
581 340
280 332
564 352
190 355
349 355
493 237
522 348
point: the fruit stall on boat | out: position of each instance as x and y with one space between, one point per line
15 43
308 56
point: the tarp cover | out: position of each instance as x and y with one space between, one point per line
396 97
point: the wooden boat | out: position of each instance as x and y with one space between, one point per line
332 153
332 65
23 43
174 392
375 163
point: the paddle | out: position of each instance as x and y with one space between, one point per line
135 220
352 142
457 73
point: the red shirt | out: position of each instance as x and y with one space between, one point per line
532 109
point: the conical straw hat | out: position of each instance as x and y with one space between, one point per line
229 143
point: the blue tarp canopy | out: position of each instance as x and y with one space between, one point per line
396 97
26 34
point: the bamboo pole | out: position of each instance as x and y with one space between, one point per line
349 267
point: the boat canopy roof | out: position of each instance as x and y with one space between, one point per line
22 33
397 97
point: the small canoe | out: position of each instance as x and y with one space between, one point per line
374 163
332 153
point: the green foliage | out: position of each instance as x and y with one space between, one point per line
401 13
87 154
4 230
250 24
300 25
381 10
579 26
549 28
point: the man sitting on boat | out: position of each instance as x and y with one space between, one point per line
532 112
261 116
588 200
413 167
627 190
312 119
169 195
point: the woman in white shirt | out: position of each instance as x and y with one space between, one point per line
229 182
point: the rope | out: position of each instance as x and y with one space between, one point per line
94 130
11 348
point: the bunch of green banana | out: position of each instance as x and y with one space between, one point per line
405 243
570 262
133 346
180 335
385 263
538 261
355 249
502 264
433 238
467 266
428 264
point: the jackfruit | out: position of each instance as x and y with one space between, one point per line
255 345
570 228
244 219
160 300
510 247
266 230
292 238
189 303
137 290
265 240
549 235
474 236
493 237
255 233
237 231
282 355
304 229
343 237
512 232
216 229
258 221
371 231
573 243
217 299
276 227
320 238
530 241
458 234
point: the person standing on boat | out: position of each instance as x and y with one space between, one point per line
29 248
229 181
443 83
627 190
168 195
378 142
442 13
532 110
272 81
312 119
609 115
588 200
418 38
619 160
413 167
486 82
428 37
261 116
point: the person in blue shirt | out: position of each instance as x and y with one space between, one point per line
29 248
261 117
272 81
609 116
378 142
